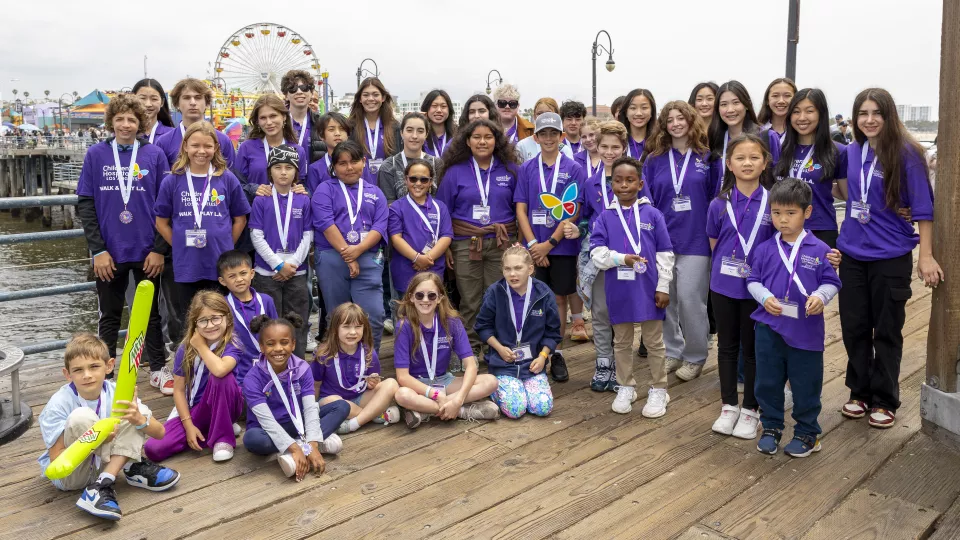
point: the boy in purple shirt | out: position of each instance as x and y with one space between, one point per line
786 269
191 97
245 303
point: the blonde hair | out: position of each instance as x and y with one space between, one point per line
408 314
85 345
518 250
218 304
204 128
348 313
125 103
592 122
506 91
615 128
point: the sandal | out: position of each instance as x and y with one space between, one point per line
854 409
881 418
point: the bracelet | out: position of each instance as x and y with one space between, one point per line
531 243
279 267
146 422
426 393
414 261
436 394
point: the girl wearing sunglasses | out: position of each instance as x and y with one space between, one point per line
429 329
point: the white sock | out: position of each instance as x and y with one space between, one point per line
126 467
353 424
558 351
106 475
577 317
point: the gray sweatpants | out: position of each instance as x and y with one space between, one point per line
688 310
600 320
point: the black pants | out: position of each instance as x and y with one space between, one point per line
111 299
186 291
873 304
170 303
827 237
735 333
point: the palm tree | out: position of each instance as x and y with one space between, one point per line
26 95
15 93
46 93
75 94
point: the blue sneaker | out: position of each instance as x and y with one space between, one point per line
769 441
148 475
802 446
100 500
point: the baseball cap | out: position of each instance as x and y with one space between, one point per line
283 154
548 121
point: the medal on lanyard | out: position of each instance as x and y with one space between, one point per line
361 383
798 172
434 234
431 361
283 228
522 351
791 309
241 315
198 237
548 220
353 236
373 139
126 189
747 245
292 412
680 203
482 212
640 266
861 211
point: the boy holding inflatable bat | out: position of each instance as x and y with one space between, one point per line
95 436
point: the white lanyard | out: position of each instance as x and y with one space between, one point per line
523 314
125 190
434 233
590 168
439 144
373 138
183 131
266 154
513 132
198 210
303 127
353 216
243 323
678 182
747 245
153 131
626 230
603 189
198 374
789 263
404 158
361 384
284 228
865 186
798 172
100 410
484 190
556 175
723 157
294 414
431 361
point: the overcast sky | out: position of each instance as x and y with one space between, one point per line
664 45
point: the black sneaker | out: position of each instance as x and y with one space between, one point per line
558 368
642 350
601 377
612 384
100 500
148 475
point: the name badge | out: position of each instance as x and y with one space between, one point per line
790 309
860 212
196 238
375 165
522 352
363 235
427 247
481 213
682 204
733 267
540 218
626 273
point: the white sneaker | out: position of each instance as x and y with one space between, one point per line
331 445
689 371
747 425
672 364
162 380
388 326
236 429
787 398
657 399
728 419
623 403
222 451
287 464
311 346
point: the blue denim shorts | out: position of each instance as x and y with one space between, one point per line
444 380
357 399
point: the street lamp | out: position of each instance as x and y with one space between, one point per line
597 47
361 71
69 112
498 80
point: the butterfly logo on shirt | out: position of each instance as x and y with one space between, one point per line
215 198
563 207
139 173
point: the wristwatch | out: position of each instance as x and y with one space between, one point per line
553 241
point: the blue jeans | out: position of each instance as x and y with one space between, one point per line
257 441
778 363
365 290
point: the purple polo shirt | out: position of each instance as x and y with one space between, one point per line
593 203
325 373
632 301
405 221
329 207
306 137
251 162
773 144
230 350
319 172
528 191
361 133
161 130
248 341
227 201
886 235
130 242
718 167
409 355
459 191
263 217
687 228
258 388
433 144
170 144
813 269
824 215
634 148
719 227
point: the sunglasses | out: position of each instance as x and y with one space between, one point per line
302 87
431 296
511 104
419 179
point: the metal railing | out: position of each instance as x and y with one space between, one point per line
40 141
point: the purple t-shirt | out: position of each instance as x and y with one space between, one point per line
886 235
243 313
685 213
807 331
305 143
170 144
344 384
747 211
251 162
263 217
634 148
824 215
528 191
460 192
405 221
258 388
632 300
409 355
226 201
319 172
230 350
130 242
329 207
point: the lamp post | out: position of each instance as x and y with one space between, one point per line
144 66
324 77
69 112
498 80
793 37
361 71
597 47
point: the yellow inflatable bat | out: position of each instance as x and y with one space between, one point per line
80 450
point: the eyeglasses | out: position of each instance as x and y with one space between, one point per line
431 296
216 320
292 89
419 179
511 104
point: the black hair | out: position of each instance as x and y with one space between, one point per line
350 147
491 110
696 90
448 126
459 152
416 116
718 128
622 113
418 161
325 120
616 106
825 152
232 259
791 192
627 160
291 320
163 115
729 181
766 113
571 108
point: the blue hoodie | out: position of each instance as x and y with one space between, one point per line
541 328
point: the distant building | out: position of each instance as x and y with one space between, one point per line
914 113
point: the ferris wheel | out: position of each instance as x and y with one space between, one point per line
254 58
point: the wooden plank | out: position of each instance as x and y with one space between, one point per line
949 526
925 473
867 515
701 532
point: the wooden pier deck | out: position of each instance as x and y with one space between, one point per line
582 472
